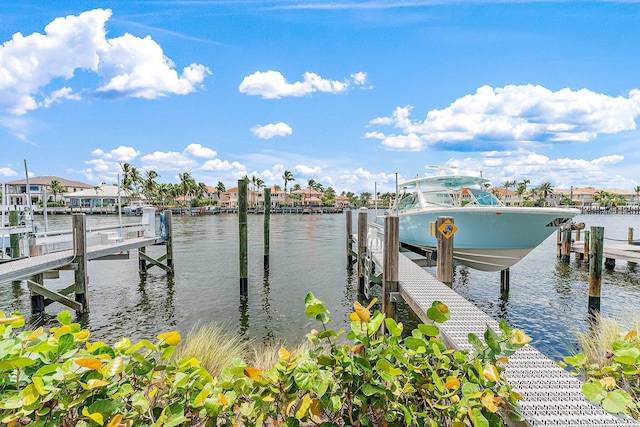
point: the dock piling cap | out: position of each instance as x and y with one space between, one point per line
363 209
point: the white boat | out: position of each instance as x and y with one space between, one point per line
135 208
489 236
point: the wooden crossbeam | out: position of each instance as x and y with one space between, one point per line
155 262
52 295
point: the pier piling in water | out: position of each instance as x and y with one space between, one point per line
243 238
267 218
630 236
79 221
349 226
595 269
14 239
390 265
566 245
362 247
444 272
504 281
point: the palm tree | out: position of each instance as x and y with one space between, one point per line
220 188
187 184
295 187
149 184
637 190
545 190
56 188
287 176
522 188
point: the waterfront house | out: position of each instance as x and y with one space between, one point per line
39 186
104 195
278 197
508 197
308 197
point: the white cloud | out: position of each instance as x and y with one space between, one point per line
167 161
130 66
137 67
7 172
219 165
308 170
120 154
271 130
502 117
198 150
272 85
359 78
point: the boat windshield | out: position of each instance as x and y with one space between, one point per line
483 198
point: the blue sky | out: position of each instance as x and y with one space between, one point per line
345 93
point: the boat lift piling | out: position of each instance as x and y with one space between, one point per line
595 269
362 247
445 229
390 266
243 239
267 219
349 226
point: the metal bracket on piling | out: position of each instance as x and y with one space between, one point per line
396 297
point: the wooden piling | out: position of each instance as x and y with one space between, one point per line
349 234
630 236
566 246
14 239
142 262
362 247
587 242
559 243
444 272
595 269
243 238
504 281
79 221
37 300
168 221
267 219
390 264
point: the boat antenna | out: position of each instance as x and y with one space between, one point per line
442 170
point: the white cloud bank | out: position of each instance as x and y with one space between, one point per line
271 130
129 66
498 118
272 84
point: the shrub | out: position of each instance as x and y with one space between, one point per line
610 364
59 378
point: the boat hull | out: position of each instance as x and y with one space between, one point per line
487 238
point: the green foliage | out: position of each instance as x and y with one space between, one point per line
614 385
59 378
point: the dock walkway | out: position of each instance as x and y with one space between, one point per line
24 267
551 397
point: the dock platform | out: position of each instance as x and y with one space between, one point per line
24 267
551 396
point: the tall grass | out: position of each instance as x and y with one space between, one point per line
596 343
215 346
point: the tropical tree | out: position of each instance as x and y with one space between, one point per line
287 176
522 188
296 187
329 197
364 198
387 198
637 190
131 178
56 188
220 188
149 185
545 190
187 184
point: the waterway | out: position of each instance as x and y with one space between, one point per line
547 298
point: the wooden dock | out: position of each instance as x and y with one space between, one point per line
551 396
45 256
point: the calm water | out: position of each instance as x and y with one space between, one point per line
547 298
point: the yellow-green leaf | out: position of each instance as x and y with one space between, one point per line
96 416
35 334
95 383
490 372
170 338
115 420
29 395
89 363
303 407
200 398
362 313
39 385
488 401
519 337
284 354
